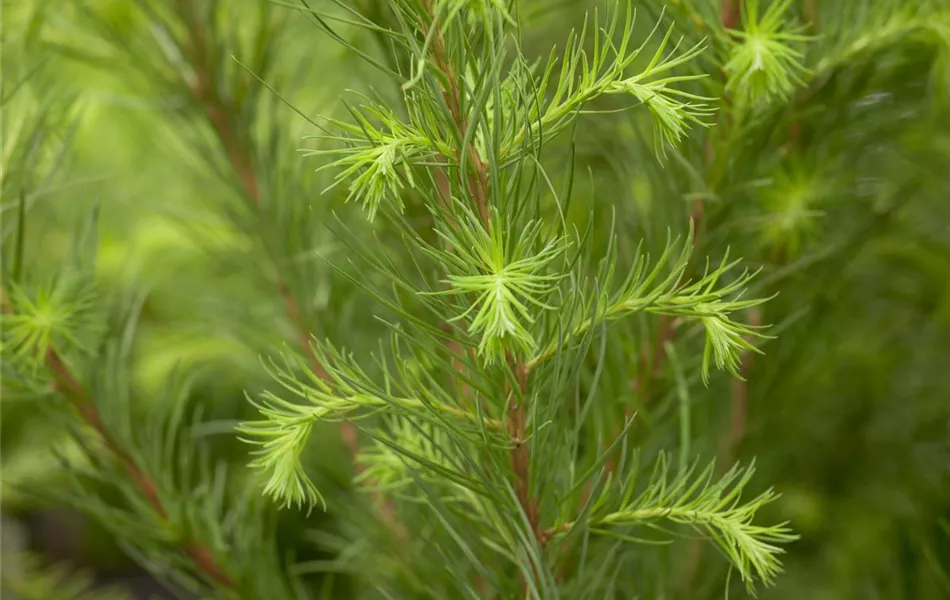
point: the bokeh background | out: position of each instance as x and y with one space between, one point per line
841 194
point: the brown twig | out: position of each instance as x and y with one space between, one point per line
478 177
811 14
520 454
738 408
66 384
731 13
516 422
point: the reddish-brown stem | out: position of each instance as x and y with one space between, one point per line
516 422
477 178
652 360
209 98
810 11
66 384
478 188
731 13
738 409
520 454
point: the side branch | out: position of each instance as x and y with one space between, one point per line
66 384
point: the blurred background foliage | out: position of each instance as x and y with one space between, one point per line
841 194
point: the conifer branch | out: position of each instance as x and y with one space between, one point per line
66 384
652 361
508 271
516 419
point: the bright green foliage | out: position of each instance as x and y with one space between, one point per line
502 269
56 315
284 437
508 281
560 94
381 159
763 64
713 508
476 10
481 299
649 290
671 116
388 469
